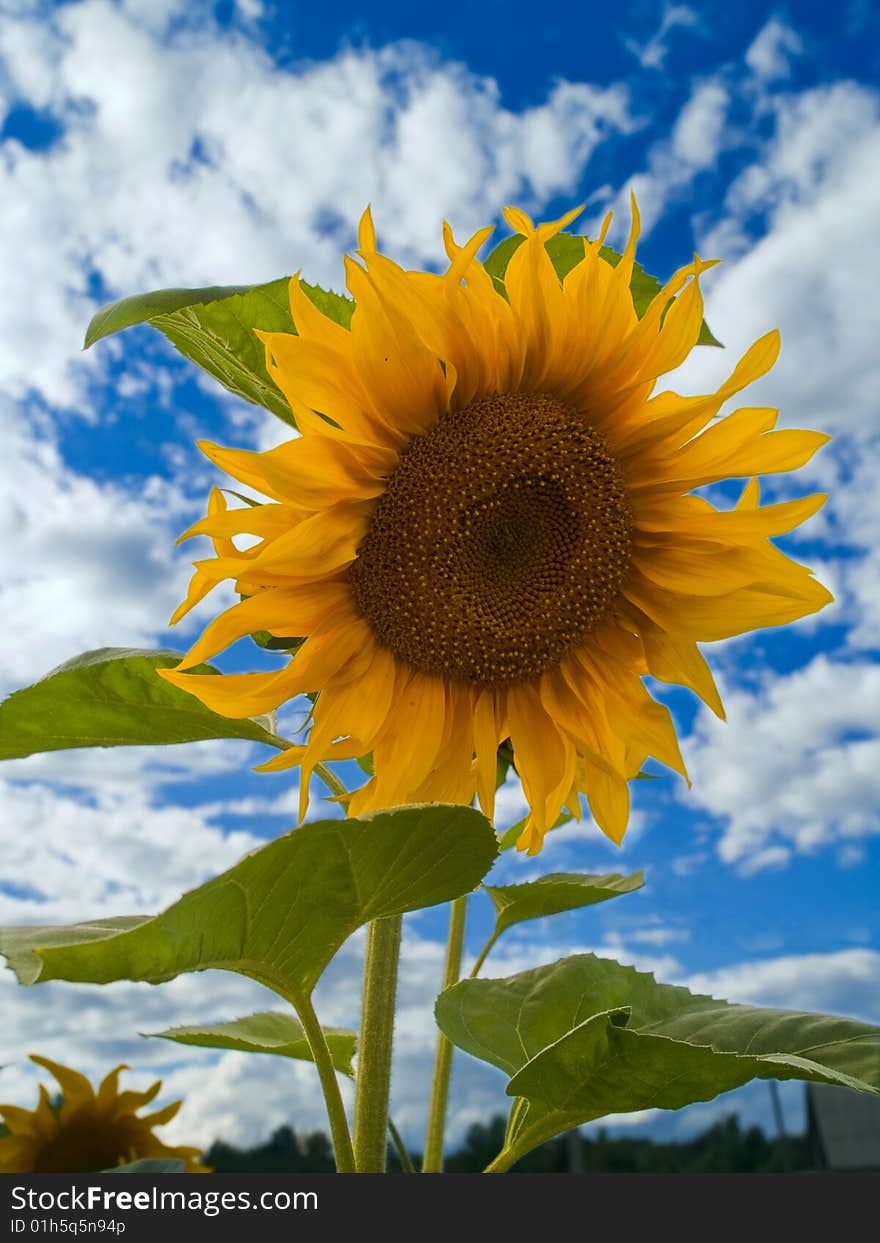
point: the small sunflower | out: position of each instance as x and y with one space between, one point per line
89 1130
487 529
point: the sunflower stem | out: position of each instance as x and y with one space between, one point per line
401 1149
345 1162
483 955
373 1082
330 780
432 1162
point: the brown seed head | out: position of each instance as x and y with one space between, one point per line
501 541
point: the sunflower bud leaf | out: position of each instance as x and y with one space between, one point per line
566 250
214 327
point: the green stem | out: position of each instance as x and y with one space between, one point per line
500 1165
330 779
483 955
401 1149
373 1083
345 1162
515 1119
433 1159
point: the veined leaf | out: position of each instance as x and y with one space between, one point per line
112 698
554 893
214 328
270 1031
586 1037
283 911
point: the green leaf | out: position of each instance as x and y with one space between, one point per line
281 913
335 306
143 307
113 698
214 327
150 1165
267 1032
554 893
508 839
566 250
272 643
248 500
503 762
586 1037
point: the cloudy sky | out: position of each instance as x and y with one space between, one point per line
150 143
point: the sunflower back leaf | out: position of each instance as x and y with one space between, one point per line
214 327
566 250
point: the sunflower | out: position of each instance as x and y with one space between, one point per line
487 529
89 1130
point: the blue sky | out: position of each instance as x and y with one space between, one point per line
154 143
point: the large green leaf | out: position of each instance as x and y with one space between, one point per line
554 893
586 1037
113 698
566 250
283 911
215 328
270 1031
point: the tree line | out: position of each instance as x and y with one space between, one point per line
724 1147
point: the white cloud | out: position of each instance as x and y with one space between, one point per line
769 55
811 275
841 982
698 136
189 158
658 935
698 131
251 10
83 564
796 767
769 857
112 852
653 53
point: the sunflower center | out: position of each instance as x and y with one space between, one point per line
500 542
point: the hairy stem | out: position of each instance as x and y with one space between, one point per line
373 1083
433 1159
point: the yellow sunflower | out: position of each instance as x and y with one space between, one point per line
89 1130
486 529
